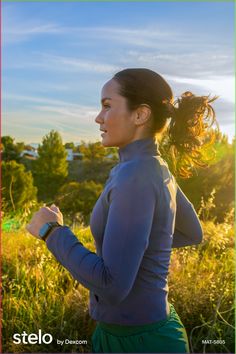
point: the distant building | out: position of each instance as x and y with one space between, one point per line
33 154
30 153
71 156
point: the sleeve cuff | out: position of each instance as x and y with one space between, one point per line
54 233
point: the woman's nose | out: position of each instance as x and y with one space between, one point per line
99 118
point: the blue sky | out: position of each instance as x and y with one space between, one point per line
57 56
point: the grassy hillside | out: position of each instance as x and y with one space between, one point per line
38 293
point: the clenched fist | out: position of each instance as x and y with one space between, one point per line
43 216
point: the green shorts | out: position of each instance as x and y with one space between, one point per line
166 336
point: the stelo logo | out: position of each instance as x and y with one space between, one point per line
32 338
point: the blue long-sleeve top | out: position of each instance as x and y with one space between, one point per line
139 217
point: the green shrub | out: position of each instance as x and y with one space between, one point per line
18 188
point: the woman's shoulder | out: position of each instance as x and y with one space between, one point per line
139 170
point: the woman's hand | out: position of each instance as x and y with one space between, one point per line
43 216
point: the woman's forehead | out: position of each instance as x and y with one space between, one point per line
110 89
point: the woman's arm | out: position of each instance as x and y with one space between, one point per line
125 240
188 230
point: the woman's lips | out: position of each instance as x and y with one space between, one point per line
103 132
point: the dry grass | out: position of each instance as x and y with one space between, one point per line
39 293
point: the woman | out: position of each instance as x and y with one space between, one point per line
139 217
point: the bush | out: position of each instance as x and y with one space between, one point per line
10 149
18 189
76 200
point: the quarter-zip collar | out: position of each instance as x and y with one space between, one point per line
147 146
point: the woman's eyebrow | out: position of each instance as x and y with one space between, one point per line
104 99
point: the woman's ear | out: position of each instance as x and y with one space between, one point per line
143 114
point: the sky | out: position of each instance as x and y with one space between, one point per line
56 56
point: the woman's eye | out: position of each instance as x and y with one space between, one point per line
106 106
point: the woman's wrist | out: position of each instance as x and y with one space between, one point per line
52 232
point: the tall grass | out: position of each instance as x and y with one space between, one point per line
202 288
38 293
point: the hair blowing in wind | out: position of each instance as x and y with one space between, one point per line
190 136
187 142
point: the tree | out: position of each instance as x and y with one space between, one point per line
219 176
78 199
70 145
11 151
93 151
17 186
98 171
51 168
96 152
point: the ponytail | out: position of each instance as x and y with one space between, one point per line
187 143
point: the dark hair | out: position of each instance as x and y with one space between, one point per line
192 117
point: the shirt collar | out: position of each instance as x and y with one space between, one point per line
147 146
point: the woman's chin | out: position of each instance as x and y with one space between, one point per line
108 142
105 140
105 143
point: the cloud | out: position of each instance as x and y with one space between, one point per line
17 28
62 114
64 64
30 125
25 31
168 49
80 112
223 86
44 100
197 63
193 60
147 36
57 62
